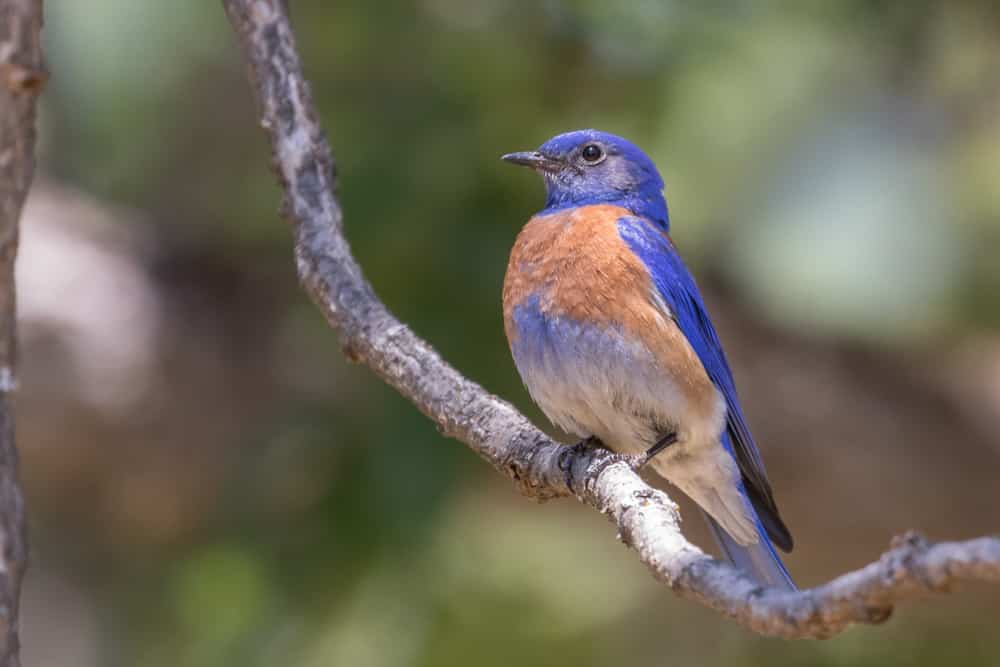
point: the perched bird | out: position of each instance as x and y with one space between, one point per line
612 339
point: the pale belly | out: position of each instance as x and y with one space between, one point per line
594 382
597 383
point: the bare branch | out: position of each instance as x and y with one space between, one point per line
646 518
21 79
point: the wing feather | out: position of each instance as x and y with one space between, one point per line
677 287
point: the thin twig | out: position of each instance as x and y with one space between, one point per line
647 520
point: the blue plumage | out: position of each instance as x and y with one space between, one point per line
585 171
677 287
631 182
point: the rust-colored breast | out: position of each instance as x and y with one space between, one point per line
576 262
579 267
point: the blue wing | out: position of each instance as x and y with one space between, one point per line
677 286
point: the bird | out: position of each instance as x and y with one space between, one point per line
613 341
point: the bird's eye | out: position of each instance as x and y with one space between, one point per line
591 153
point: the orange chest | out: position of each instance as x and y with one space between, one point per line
576 264
576 297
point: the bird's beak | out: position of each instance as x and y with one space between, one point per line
535 160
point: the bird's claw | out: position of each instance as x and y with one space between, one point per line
639 461
635 461
590 442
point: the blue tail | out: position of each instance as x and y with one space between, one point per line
759 560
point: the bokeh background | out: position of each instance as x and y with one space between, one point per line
210 483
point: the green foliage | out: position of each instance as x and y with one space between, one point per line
347 531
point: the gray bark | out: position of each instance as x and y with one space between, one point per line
646 519
22 77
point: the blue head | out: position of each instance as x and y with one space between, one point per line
591 167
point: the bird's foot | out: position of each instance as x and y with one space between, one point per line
590 442
635 461
660 445
640 461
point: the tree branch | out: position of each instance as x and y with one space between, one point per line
22 76
647 520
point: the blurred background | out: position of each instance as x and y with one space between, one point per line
210 483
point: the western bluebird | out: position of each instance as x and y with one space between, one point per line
612 339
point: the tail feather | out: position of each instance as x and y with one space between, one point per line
759 560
